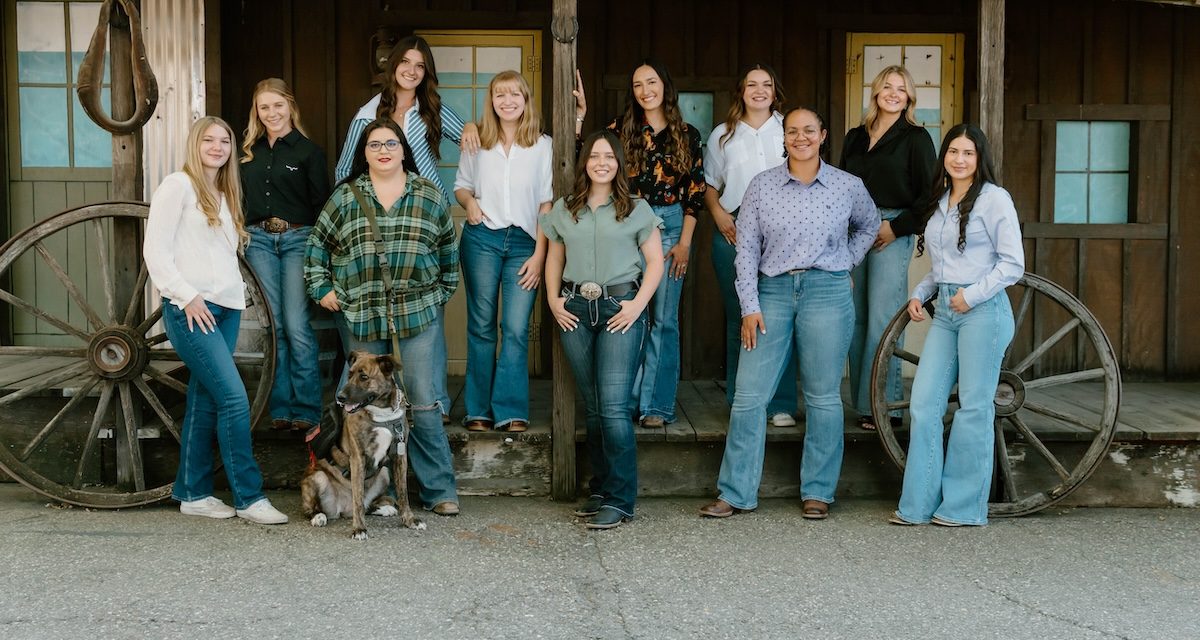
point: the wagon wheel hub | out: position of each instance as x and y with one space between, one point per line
118 353
1010 394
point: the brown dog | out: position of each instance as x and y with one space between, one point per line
373 415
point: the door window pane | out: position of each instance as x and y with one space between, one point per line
44 127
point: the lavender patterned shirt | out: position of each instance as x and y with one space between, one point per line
785 224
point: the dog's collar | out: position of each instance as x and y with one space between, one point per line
388 414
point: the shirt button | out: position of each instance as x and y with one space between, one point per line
268 167
268 193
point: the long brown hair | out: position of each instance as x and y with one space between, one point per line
737 106
228 182
910 89
622 200
529 127
254 127
985 172
635 117
428 99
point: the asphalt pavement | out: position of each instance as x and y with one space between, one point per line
524 568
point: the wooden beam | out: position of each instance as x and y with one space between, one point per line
1148 231
991 77
564 28
1160 112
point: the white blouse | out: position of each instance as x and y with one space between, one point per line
184 255
992 257
748 153
509 188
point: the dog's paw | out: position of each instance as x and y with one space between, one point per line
319 520
416 523
359 534
385 511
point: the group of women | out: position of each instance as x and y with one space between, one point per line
811 262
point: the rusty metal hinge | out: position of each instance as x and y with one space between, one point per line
533 64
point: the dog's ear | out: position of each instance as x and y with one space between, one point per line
387 364
352 356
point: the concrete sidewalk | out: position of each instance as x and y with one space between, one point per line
523 568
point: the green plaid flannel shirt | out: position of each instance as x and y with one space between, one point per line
422 250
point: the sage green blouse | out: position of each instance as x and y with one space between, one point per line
600 249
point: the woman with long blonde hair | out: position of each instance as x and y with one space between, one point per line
895 158
285 183
191 251
504 188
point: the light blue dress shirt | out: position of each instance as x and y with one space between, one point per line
785 224
992 258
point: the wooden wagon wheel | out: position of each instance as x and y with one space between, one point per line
112 383
1027 404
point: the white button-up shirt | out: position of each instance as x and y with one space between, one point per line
509 188
184 255
748 153
992 258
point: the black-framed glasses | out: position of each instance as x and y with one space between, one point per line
376 145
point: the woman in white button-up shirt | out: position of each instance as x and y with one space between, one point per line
749 142
504 188
974 241
191 250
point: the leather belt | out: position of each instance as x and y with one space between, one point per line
277 225
594 291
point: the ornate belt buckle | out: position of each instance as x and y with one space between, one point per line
590 290
275 225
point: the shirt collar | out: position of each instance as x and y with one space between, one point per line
368 188
291 138
824 174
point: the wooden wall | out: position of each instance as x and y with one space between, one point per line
1059 53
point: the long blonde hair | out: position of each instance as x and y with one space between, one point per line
877 86
228 182
254 127
529 127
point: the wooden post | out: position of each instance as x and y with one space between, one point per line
126 232
564 27
991 77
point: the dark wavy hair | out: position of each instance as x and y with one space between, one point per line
737 106
359 165
631 123
985 172
428 99
622 200
823 150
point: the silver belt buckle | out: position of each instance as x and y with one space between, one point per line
590 290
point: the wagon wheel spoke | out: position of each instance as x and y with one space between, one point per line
156 339
155 403
142 328
69 285
906 356
132 442
70 352
898 405
1046 346
159 376
44 384
1004 464
1059 415
93 432
74 402
1064 378
139 290
31 309
110 289
1022 309
239 357
1040 447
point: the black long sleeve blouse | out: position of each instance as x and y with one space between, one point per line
897 171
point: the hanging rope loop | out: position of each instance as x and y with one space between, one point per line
91 70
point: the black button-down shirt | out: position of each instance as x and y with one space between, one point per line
898 170
288 180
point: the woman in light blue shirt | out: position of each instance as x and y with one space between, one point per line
974 242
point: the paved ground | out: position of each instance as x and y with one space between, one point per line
523 568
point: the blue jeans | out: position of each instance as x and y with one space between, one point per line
490 260
217 406
428 449
967 348
605 365
811 313
785 399
278 261
880 290
659 377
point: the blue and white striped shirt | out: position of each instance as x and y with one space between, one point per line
414 130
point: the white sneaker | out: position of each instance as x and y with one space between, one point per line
782 419
262 512
209 507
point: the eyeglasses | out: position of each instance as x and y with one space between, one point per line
376 145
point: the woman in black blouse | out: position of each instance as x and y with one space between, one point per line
895 158
285 184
